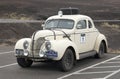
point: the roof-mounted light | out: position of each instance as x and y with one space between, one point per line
60 13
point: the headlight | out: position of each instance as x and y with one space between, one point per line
25 44
26 53
48 45
41 53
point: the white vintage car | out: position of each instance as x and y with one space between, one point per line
65 39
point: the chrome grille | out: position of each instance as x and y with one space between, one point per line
36 44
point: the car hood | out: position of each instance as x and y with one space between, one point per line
50 33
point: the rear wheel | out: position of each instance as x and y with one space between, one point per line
101 52
23 62
67 61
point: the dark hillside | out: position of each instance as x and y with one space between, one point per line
41 9
37 9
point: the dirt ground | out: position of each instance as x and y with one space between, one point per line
112 33
41 9
10 33
9 36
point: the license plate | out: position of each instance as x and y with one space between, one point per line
51 53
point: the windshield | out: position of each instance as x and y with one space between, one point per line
59 23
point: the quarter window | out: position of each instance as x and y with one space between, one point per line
89 24
81 24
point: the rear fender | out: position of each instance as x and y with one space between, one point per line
99 39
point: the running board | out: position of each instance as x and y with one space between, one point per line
87 54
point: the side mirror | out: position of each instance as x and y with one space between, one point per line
43 25
79 26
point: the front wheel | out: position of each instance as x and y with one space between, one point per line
67 61
101 52
23 62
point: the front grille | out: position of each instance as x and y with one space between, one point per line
36 45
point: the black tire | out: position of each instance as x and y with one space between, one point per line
24 63
67 61
101 52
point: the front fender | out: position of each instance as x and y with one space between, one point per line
60 46
99 39
19 44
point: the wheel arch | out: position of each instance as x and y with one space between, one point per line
105 45
100 38
62 48
73 50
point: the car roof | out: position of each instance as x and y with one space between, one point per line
72 17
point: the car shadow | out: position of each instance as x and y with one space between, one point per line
54 66
45 66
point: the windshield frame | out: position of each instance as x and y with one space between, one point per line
59 20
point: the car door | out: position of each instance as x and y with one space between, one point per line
81 36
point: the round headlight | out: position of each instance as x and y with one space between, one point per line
41 53
26 44
48 45
26 53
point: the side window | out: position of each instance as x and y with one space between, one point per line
89 24
81 24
